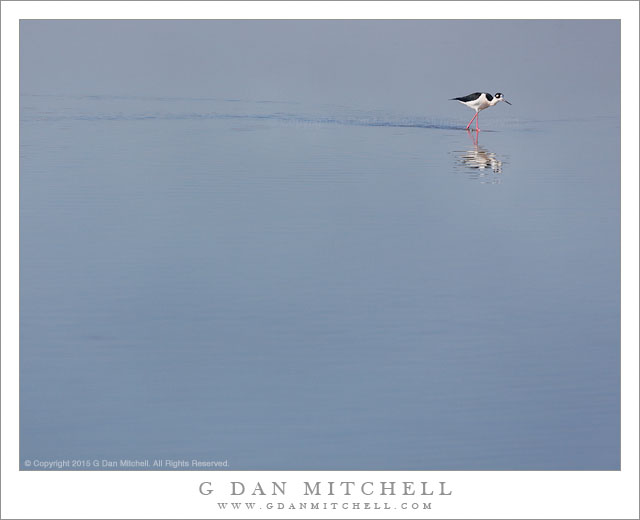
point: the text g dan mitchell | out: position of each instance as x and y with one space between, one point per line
345 488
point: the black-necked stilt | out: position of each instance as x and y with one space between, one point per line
479 101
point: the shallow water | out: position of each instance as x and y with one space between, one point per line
285 286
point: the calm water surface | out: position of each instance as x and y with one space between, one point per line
317 287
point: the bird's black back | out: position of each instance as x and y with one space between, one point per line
466 99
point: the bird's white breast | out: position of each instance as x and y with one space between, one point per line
481 103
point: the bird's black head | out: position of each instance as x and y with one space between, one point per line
500 97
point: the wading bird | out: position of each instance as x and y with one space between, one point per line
479 101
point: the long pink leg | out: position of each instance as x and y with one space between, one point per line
472 121
477 119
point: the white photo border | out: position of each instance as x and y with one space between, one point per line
539 494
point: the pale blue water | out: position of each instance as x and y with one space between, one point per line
291 286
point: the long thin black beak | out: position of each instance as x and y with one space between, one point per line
503 99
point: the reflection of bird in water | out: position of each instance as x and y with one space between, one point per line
480 160
479 101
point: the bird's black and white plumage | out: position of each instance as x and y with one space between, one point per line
479 101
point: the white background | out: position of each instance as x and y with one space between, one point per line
175 494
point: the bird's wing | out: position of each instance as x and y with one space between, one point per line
470 97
